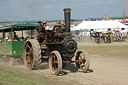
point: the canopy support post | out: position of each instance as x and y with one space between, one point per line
22 33
12 33
31 33
3 35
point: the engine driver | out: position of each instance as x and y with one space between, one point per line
40 29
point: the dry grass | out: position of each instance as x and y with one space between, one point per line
10 76
107 50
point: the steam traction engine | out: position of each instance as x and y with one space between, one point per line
59 48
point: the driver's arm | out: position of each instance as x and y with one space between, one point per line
36 32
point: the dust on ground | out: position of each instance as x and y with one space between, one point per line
109 70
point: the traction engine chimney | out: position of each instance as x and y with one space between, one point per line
67 12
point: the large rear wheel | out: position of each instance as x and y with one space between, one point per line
55 62
82 61
32 54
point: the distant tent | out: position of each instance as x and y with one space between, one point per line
101 25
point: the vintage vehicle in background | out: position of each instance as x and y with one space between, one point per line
59 48
108 37
97 37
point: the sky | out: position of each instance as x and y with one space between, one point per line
20 10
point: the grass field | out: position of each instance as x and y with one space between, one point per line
14 76
11 76
17 78
107 51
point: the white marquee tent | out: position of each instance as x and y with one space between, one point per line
100 25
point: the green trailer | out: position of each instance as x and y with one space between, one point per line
14 48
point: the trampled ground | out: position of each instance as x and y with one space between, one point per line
108 66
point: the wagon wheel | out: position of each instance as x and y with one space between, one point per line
55 62
82 61
32 54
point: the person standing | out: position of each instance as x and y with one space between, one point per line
45 25
39 28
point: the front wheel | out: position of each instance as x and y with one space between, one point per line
55 62
82 60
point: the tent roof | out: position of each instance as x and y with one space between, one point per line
113 24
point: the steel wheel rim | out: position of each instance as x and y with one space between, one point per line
82 61
82 57
54 63
29 55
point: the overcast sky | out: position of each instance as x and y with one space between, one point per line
19 10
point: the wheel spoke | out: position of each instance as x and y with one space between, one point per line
81 67
80 56
54 57
28 60
29 56
83 56
27 53
29 47
55 62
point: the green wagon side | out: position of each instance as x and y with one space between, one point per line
14 48
11 48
